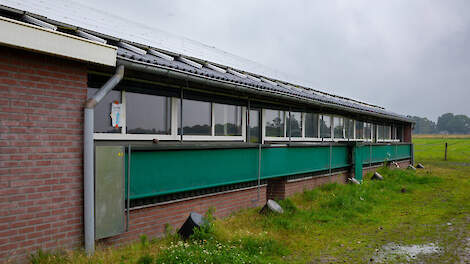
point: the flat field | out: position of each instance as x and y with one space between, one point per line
411 216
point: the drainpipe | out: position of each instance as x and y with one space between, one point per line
88 158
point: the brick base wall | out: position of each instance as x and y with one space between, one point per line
41 101
151 221
402 163
280 188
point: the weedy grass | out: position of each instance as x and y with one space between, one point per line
331 224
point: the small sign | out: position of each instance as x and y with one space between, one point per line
116 115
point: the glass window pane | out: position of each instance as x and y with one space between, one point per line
338 123
311 125
295 124
148 114
254 126
367 131
274 123
196 118
387 132
380 134
400 133
325 126
102 111
228 120
359 130
349 128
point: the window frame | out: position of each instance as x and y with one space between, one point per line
173 136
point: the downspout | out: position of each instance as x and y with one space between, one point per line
88 158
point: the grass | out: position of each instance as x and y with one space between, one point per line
331 224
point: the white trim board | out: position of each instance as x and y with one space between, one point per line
26 36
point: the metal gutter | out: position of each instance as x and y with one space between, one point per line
174 73
88 158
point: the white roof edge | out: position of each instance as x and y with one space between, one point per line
27 36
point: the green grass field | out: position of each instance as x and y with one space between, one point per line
334 223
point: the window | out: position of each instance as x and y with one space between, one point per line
275 123
102 111
294 124
311 125
349 128
148 114
338 126
359 130
325 126
400 133
380 132
228 120
387 135
368 131
254 126
196 118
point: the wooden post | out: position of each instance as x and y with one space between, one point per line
445 155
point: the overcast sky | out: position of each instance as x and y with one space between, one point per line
409 56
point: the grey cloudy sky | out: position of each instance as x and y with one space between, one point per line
411 56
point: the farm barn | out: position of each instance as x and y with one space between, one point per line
110 129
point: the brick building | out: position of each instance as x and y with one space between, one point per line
107 134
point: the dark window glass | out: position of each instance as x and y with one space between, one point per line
380 132
387 132
196 117
349 128
148 114
400 133
102 111
311 125
228 120
274 123
338 125
295 124
325 126
254 126
359 130
368 131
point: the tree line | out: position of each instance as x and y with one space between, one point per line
446 124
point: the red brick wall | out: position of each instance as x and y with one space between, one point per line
151 221
402 163
280 188
41 100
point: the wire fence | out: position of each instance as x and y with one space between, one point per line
448 148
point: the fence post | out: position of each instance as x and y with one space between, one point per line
445 155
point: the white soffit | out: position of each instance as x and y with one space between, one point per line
31 37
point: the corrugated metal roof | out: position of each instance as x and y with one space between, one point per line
77 16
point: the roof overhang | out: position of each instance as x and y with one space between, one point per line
30 37
174 73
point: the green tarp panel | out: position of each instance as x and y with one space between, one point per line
163 172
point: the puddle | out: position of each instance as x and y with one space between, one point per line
393 251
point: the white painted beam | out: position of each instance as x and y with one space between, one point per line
161 55
131 48
39 39
236 73
38 22
215 68
189 62
89 36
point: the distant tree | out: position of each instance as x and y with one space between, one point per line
443 122
423 125
454 124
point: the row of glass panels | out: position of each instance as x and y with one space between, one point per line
152 114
